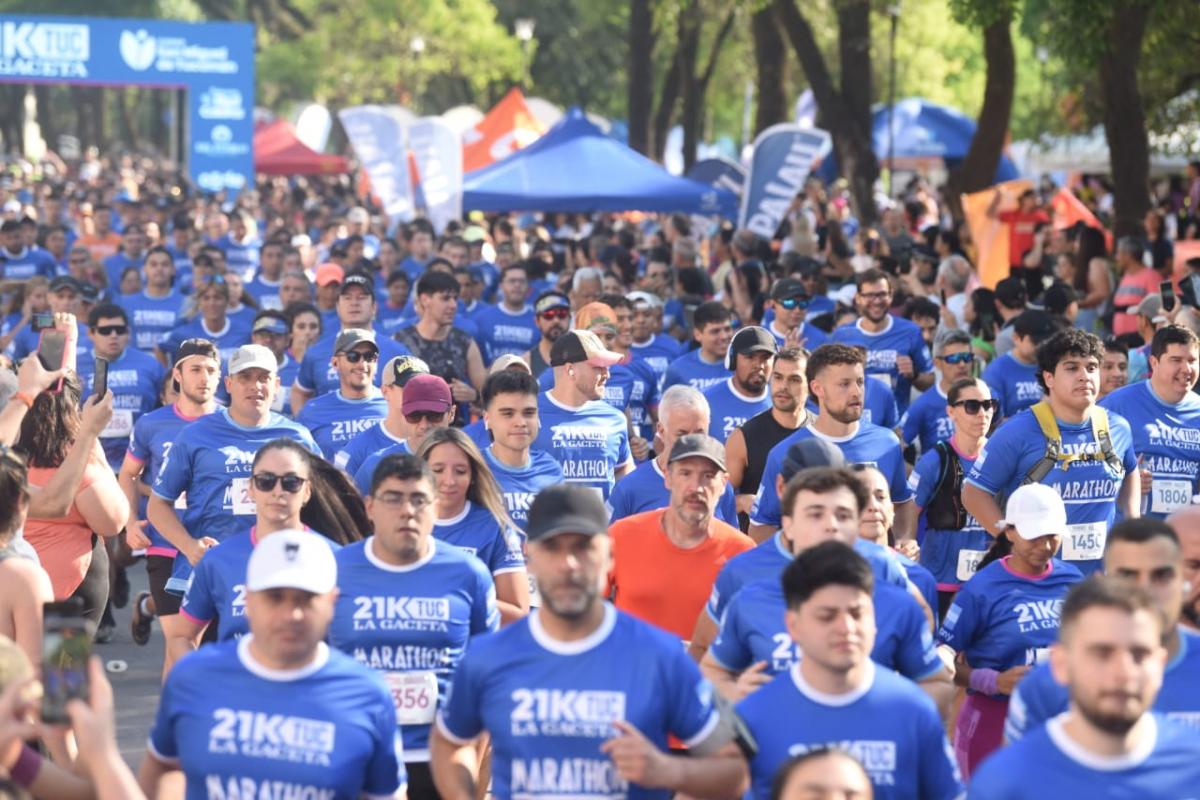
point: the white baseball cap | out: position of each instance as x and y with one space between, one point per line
292 559
250 356
1035 510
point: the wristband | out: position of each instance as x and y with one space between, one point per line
984 680
25 771
24 398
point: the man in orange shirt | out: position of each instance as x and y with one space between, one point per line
665 560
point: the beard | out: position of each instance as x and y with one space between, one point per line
846 415
573 607
785 402
1116 724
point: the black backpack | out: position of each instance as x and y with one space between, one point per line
946 511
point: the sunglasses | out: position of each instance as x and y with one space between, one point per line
959 358
424 416
112 330
265 482
556 313
975 406
354 356
794 302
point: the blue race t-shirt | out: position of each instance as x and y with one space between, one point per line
366 470
1038 696
693 370
217 587
657 352
153 435
888 725
152 318
475 532
588 441
952 556
265 292
728 408
1049 763
371 440
1001 619
334 419
926 421
753 630
241 257
900 337
411 625
644 489
1089 488
870 444
1013 383
550 705
1167 438
229 338
211 462
769 558
502 331
134 378
238 729
811 336
27 263
520 485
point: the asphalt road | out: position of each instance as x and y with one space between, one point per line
135 673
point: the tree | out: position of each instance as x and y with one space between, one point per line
770 61
641 73
846 109
978 169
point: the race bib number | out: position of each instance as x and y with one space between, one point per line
120 426
1084 542
240 493
968 563
415 696
1167 495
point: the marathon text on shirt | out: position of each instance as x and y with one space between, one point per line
586 777
386 658
234 788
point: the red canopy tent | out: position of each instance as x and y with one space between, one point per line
278 151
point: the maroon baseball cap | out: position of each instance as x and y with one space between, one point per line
426 393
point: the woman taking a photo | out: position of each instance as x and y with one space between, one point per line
291 490
999 624
471 515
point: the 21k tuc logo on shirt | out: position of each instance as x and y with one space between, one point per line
278 737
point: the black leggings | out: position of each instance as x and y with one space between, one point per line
93 592
420 781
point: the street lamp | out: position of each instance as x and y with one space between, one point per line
523 28
416 46
893 11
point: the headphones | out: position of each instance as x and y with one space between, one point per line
731 357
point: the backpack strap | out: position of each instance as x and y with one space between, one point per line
1053 452
1099 419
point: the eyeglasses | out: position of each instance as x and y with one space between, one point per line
973 407
398 499
794 302
265 482
958 358
555 313
355 356
424 416
112 330
873 296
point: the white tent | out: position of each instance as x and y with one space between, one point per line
1082 153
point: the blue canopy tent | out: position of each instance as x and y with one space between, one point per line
923 131
575 167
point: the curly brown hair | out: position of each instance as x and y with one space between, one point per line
50 427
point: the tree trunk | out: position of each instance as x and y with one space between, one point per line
978 169
668 97
691 118
854 55
1124 117
845 120
641 74
45 115
770 60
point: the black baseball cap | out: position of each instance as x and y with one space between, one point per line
788 288
811 452
566 508
65 282
359 279
753 339
698 445
548 300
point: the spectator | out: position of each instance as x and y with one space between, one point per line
1137 281
1092 279
24 585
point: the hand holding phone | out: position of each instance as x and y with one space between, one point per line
100 379
1166 290
66 647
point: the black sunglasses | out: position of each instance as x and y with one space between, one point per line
355 356
265 482
112 330
426 416
975 406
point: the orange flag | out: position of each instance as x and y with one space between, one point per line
508 127
989 234
1069 209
